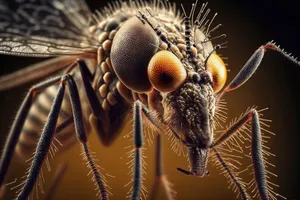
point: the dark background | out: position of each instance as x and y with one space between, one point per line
248 24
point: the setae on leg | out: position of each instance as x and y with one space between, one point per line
138 142
43 144
234 179
256 149
48 132
252 64
160 179
17 126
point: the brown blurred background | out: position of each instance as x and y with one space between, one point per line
248 24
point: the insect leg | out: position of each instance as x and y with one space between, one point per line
256 149
140 109
158 168
48 131
234 179
160 178
98 117
252 64
86 75
81 134
97 110
43 144
90 93
18 125
138 142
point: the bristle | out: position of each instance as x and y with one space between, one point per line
150 130
228 170
176 145
221 46
272 45
220 113
208 31
236 151
169 191
130 155
96 176
214 38
200 25
38 187
193 13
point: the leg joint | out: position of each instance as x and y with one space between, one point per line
40 86
137 103
253 112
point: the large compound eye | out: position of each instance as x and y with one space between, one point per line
217 68
165 71
133 46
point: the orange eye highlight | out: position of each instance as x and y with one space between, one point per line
165 71
217 68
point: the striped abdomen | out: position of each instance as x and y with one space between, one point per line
38 114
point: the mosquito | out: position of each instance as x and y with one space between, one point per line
148 57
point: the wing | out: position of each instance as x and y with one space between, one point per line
44 28
34 72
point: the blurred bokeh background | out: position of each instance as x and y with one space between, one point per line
248 24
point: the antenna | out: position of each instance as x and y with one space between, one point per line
187 22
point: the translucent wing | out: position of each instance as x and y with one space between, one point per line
14 44
35 71
45 28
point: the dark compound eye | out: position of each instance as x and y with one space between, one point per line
132 48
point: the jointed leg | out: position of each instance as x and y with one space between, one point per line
43 144
17 126
22 114
158 168
160 178
79 123
138 142
256 149
42 149
245 73
48 132
140 109
86 78
231 175
252 64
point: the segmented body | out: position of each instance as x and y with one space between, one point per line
115 97
126 39
38 116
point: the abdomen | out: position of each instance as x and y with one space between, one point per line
38 114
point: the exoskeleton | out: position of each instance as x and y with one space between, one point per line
141 55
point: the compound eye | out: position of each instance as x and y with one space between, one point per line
165 71
217 68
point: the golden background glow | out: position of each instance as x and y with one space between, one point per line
274 85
